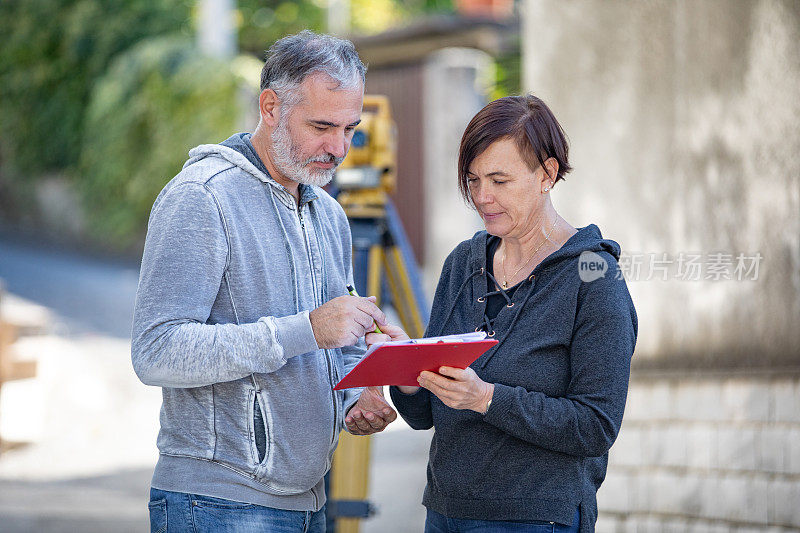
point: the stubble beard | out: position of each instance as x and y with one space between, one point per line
289 161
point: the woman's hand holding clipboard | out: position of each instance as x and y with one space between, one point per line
401 362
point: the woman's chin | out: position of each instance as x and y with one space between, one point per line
495 229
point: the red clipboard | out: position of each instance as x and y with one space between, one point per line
400 364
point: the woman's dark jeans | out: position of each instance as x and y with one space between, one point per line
437 523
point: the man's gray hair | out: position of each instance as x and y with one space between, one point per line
292 59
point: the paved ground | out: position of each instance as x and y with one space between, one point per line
82 433
87 295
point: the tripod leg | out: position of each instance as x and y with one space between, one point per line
398 300
350 478
374 272
402 292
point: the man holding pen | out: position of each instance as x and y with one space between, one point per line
242 313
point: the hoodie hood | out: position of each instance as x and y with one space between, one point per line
587 239
230 155
238 150
241 143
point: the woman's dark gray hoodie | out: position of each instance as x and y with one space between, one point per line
560 371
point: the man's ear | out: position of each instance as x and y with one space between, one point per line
269 107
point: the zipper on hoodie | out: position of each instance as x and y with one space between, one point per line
328 361
316 303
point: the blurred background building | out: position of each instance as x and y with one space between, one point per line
683 120
682 117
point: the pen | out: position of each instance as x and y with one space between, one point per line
352 291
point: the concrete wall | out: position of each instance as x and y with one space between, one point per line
454 90
705 454
683 120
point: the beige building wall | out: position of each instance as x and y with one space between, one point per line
455 89
683 118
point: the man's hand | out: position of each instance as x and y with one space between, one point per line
370 414
343 320
457 388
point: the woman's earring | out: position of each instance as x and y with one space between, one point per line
546 189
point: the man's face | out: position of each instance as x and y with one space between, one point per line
313 137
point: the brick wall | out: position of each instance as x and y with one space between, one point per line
705 454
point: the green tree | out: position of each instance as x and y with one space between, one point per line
52 53
262 22
156 101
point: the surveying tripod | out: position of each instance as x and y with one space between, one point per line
383 266
381 253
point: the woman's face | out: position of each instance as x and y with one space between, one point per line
507 194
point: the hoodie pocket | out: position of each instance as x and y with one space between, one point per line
299 423
258 428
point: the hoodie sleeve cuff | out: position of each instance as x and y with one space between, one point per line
414 405
295 334
351 396
502 400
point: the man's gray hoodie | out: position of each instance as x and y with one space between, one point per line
231 268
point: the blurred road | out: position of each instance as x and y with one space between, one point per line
88 295
79 438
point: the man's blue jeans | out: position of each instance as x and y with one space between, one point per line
177 512
438 523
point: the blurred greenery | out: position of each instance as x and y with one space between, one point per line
374 16
508 74
262 22
113 93
156 101
52 52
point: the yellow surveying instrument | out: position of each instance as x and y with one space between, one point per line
380 247
383 266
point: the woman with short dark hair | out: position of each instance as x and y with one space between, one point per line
522 435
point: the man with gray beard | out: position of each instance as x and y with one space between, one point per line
242 314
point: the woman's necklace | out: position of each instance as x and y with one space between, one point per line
503 259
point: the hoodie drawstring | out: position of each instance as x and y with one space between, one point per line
509 303
317 224
488 323
288 252
458 293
